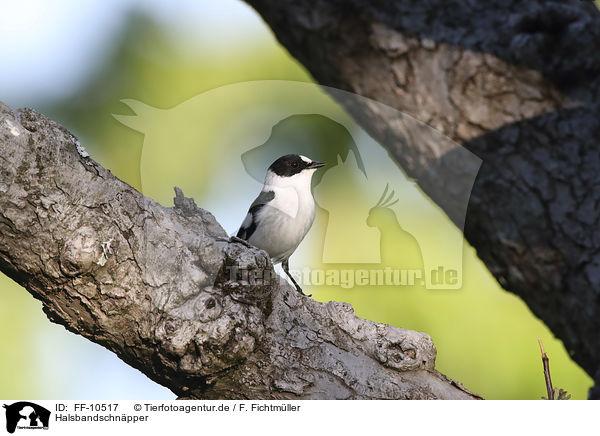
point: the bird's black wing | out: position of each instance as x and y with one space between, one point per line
249 225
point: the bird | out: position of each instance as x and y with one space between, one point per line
284 211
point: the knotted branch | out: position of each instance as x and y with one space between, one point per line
153 285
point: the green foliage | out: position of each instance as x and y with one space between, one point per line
18 341
151 66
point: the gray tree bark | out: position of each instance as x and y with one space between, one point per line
155 285
517 83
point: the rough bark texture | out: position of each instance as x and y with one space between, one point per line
514 82
154 285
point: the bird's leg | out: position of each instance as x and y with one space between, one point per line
286 269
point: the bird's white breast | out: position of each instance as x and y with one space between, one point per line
286 219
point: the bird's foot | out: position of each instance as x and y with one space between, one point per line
233 239
299 289
241 300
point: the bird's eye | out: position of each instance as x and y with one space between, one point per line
295 164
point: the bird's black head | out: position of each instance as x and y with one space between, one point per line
291 164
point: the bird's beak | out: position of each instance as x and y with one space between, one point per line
314 164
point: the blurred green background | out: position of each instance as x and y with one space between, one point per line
160 57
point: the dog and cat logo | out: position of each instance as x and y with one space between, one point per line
26 415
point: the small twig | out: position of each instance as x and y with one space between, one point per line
546 364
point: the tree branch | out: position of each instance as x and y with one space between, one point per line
516 83
154 285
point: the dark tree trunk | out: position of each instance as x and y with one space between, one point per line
514 82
